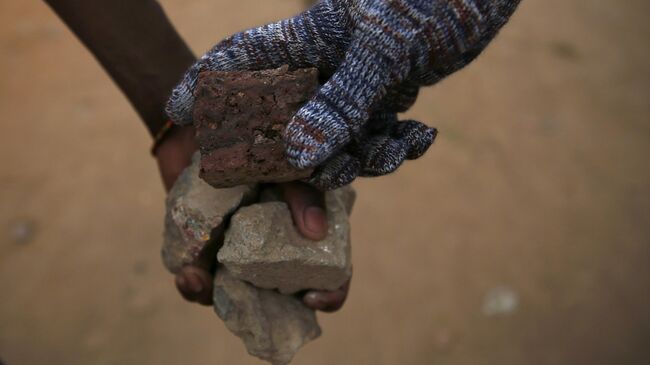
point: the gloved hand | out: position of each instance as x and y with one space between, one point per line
375 55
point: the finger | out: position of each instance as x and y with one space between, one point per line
174 154
418 137
195 284
340 109
380 122
382 151
401 97
339 171
381 154
327 301
307 205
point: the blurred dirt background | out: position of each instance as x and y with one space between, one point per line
523 236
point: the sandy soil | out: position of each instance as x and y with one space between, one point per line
523 237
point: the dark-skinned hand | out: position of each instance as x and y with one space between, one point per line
307 207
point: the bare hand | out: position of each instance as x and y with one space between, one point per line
307 209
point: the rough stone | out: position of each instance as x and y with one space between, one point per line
196 214
273 326
239 118
262 246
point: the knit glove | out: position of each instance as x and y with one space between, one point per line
375 55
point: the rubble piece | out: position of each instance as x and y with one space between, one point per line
197 213
273 326
239 118
262 246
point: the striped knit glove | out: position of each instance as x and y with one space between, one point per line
375 55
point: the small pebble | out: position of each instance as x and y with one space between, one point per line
500 300
22 232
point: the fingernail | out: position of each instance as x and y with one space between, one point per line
314 301
314 217
195 282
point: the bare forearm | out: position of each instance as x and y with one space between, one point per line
136 44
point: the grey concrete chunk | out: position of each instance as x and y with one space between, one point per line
273 326
262 246
195 215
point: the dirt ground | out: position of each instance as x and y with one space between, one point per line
523 236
